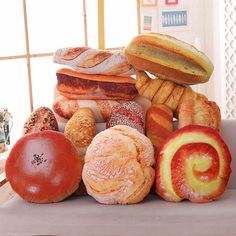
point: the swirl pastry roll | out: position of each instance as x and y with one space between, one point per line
193 163
118 166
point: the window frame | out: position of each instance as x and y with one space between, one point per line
101 41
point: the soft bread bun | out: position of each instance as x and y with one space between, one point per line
127 113
200 111
169 58
118 166
81 129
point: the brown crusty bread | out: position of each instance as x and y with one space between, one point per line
40 119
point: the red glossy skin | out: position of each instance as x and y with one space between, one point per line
182 183
44 167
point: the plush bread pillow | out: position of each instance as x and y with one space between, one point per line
118 166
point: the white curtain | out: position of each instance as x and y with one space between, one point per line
229 58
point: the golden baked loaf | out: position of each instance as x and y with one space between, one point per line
169 58
118 166
81 129
94 61
40 119
200 111
159 123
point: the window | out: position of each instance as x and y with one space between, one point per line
31 30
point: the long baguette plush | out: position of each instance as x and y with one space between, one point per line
65 107
94 61
188 106
75 85
169 58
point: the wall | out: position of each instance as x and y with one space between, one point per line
203 33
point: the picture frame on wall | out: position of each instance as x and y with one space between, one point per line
171 2
174 19
149 3
147 23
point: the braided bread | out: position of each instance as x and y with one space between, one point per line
94 61
162 91
188 106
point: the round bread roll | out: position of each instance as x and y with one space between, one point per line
169 58
39 120
118 166
127 113
44 167
81 129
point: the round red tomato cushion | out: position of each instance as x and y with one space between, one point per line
44 167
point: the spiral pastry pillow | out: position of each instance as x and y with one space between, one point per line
193 163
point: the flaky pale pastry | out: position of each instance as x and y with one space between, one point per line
118 166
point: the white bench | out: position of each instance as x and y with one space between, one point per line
153 216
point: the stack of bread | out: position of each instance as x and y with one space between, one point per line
99 79
139 143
